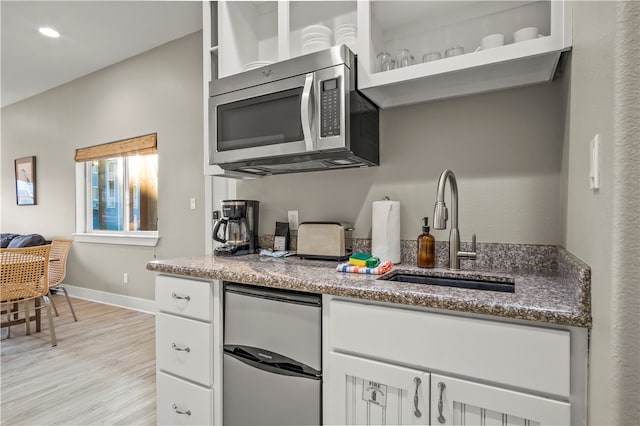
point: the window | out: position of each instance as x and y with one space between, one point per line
117 192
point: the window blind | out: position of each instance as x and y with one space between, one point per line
140 145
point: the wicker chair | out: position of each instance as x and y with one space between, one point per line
23 279
58 270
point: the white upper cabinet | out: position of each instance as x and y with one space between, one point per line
247 33
256 33
435 26
303 14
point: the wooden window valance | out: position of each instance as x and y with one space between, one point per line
141 145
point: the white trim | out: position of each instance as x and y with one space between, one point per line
120 300
80 198
126 240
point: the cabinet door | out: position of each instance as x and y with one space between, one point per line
366 392
460 402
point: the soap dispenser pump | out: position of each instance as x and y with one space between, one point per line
426 247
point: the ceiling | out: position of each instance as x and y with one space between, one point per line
93 35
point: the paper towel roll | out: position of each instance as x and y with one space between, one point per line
385 230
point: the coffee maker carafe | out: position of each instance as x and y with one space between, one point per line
237 229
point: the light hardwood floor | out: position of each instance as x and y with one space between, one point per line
101 372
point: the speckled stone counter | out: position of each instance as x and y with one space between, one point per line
556 291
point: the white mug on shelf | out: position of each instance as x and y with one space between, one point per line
491 41
524 34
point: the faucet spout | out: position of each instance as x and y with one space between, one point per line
440 212
440 217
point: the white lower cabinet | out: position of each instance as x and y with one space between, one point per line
180 402
366 392
462 402
390 365
188 351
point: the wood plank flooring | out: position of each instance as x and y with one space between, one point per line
101 373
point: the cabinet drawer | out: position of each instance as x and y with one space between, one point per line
176 396
524 356
191 298
184 347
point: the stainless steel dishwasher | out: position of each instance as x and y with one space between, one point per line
272 357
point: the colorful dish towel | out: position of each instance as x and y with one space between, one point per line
383 268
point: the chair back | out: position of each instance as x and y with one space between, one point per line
24 273
58 260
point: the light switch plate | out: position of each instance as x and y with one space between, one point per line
192 203
292 217
594 163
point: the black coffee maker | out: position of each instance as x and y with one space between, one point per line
237 229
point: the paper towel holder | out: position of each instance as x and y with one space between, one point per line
385 237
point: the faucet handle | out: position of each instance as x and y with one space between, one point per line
473 243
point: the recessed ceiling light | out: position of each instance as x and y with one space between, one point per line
49 32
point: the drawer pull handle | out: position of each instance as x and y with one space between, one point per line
175 408
441 418
416 410
175 296
176 348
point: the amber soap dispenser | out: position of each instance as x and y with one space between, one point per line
426 247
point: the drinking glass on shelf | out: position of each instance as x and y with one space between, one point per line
385 63
454 51
404 58
431 56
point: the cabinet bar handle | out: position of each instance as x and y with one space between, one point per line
175 296
176 348
175 408
442 387
416 410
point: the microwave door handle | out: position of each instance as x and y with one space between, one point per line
305 112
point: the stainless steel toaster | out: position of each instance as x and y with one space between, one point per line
324 240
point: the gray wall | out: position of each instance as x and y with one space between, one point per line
504 147
590 106
158 91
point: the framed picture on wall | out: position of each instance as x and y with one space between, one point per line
26 181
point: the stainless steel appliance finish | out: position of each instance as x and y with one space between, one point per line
272 357
238 229
441 215
303 114
324 240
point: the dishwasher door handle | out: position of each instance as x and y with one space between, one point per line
272 362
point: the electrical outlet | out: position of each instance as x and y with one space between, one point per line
292 217
192 203
125 278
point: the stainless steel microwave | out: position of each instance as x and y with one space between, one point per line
302 114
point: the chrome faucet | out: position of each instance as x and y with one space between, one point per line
440 217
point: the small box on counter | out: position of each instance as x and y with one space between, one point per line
281 236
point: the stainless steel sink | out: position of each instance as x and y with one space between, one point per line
417 278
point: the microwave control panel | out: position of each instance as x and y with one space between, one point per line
329 108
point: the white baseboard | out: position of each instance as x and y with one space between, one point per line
120 300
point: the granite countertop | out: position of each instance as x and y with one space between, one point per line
559 294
